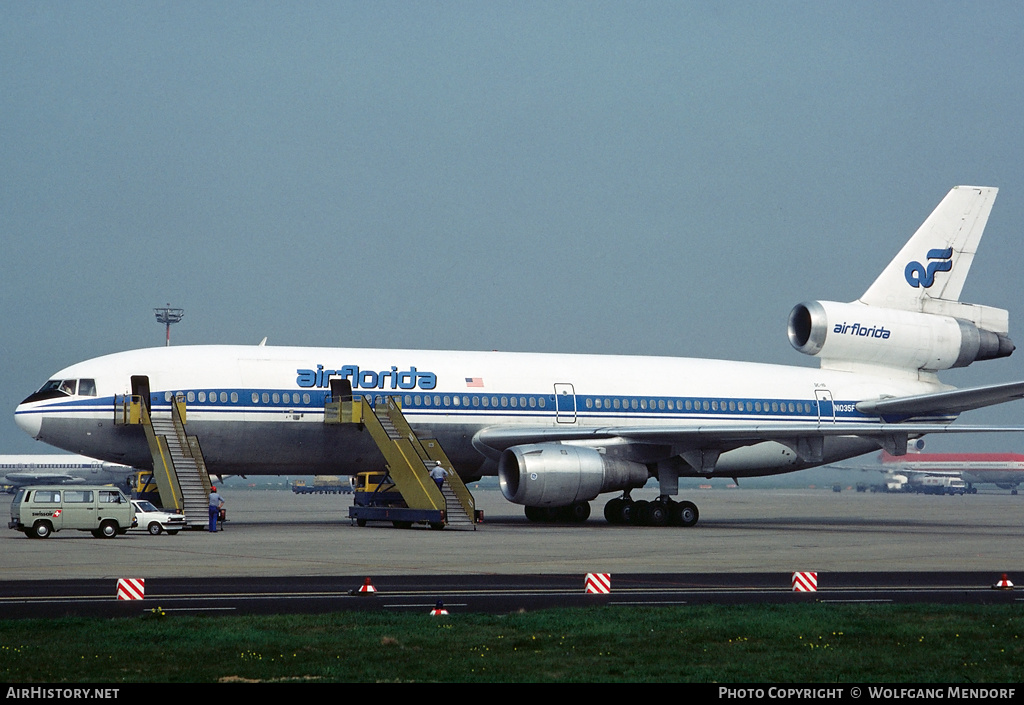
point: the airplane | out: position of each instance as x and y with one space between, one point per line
1004 470
21 470
561 429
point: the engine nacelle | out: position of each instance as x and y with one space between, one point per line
892 338
556 475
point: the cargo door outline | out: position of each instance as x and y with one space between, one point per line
565 403
826 406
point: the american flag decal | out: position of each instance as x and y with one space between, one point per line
474 381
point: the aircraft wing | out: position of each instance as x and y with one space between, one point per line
805 438
952 402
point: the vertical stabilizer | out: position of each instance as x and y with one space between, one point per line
934 263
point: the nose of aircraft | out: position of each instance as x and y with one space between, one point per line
29 423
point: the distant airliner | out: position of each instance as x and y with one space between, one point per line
1004 470
19 470
561 429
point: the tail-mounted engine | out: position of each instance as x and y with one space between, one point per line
556 475
854 332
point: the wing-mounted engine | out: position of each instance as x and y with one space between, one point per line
556 475
954 336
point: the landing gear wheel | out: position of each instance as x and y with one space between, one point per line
685 514
657 514
155 528
639 513
575 513
613 510
536 513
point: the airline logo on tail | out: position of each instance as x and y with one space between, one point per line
918 276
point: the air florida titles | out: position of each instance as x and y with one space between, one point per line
367 379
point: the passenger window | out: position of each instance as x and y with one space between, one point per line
109 497
78 496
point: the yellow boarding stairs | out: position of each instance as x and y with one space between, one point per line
409 460
178 467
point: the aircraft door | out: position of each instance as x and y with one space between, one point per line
565 403
826 409
140 388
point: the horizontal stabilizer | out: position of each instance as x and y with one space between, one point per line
951 402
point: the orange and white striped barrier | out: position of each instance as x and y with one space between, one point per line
131 588
598 583
367 588
438 610
1003 584
805 582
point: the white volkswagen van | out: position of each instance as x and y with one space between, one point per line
39 511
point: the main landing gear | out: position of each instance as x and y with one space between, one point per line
663 511
575 513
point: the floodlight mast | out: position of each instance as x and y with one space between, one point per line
167 316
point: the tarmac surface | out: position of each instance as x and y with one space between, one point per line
277 533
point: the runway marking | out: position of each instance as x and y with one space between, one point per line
648 602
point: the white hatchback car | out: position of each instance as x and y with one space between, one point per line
154 520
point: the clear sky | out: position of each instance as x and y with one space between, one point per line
661 178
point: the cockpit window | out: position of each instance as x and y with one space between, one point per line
58 388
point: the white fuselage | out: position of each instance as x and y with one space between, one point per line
259 410
53 469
